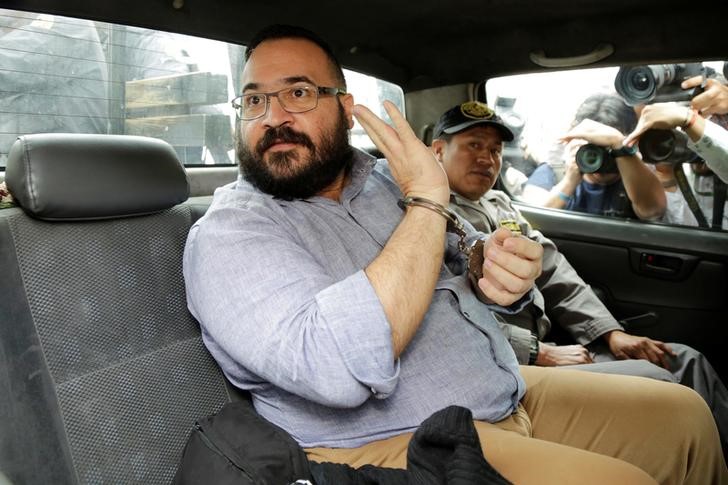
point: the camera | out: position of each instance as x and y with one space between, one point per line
666 146
657 83
592 158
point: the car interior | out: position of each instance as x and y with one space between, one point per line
103 372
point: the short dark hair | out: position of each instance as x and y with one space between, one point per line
607 109
280 31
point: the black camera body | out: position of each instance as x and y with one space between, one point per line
591 158
666 146
657 83
661 83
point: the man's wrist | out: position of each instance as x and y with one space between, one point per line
564 197
429 204
608 336
690 117
564 191
441 197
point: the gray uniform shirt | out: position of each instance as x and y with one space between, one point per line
560 291
287 311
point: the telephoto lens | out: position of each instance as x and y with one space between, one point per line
665 146
592 158
639 84
656 83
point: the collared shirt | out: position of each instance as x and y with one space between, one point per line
288 312
559 291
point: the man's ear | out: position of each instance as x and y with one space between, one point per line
347 101
438 148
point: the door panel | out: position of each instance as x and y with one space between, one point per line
611 268
684 300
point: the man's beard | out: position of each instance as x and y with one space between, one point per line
325 162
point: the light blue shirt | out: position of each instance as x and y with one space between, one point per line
287 311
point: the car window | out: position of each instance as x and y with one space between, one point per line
542 108
371 92
60 74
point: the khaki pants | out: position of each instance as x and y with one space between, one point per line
578 427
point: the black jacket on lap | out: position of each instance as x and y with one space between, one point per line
238 446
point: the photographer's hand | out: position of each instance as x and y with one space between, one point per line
596 133
572 176
714 100
666 116
560 193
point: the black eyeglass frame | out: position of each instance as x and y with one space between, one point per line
319 90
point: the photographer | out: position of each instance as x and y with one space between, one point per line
707 139
632 190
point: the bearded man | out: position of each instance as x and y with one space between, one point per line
327 286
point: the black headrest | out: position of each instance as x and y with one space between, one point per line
58 176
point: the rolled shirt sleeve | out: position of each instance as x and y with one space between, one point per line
713 147
371 364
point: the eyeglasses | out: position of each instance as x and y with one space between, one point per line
296 99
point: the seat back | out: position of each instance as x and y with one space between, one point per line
102 368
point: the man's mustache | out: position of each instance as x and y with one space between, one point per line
283 134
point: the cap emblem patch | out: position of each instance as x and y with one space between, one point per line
476 110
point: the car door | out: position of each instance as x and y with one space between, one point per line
666 282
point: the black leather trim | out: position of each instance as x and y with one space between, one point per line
85 177
33 444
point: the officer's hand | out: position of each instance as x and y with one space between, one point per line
510 268
626 346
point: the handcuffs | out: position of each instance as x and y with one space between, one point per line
473 252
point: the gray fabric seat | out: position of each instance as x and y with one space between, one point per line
102 368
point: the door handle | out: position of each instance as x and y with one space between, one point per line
662 264
667 265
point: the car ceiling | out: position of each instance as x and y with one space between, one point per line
432 43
